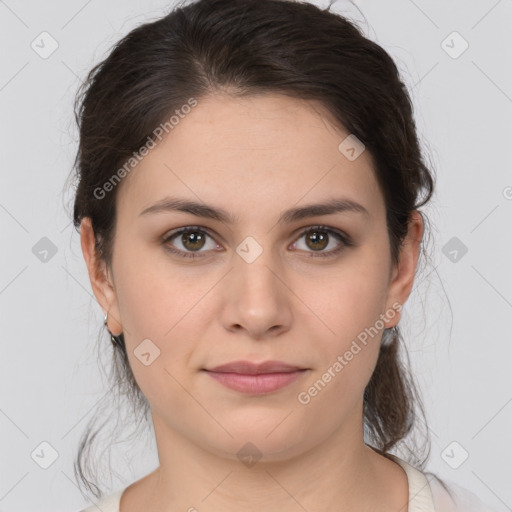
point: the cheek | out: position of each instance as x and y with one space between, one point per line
154 293
350 303
353 297
163 312
345 362
345 359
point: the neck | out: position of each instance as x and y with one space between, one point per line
340 474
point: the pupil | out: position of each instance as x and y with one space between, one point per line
193 238
318 236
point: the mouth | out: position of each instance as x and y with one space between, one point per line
256 379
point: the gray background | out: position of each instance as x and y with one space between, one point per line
457 322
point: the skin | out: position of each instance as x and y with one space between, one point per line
255 157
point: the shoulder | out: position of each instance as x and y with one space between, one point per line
428 492
108 503
450 497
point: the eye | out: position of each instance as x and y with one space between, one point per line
318 238
192 239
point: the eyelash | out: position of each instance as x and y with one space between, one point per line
342 237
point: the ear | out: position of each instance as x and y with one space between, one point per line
402 276
102 285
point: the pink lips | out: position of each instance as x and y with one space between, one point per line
254 378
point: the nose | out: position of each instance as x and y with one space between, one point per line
256 298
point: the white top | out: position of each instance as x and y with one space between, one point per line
425 495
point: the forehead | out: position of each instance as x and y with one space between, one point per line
270 149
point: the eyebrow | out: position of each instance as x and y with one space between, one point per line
170 204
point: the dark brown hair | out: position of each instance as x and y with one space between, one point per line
246 47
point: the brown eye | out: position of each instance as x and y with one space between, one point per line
319 238
190 242
193 240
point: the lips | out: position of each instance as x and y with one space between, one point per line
249 368
254 378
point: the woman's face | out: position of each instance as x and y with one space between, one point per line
261 284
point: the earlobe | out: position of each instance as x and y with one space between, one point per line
102 286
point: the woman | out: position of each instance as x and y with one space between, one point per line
249 185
